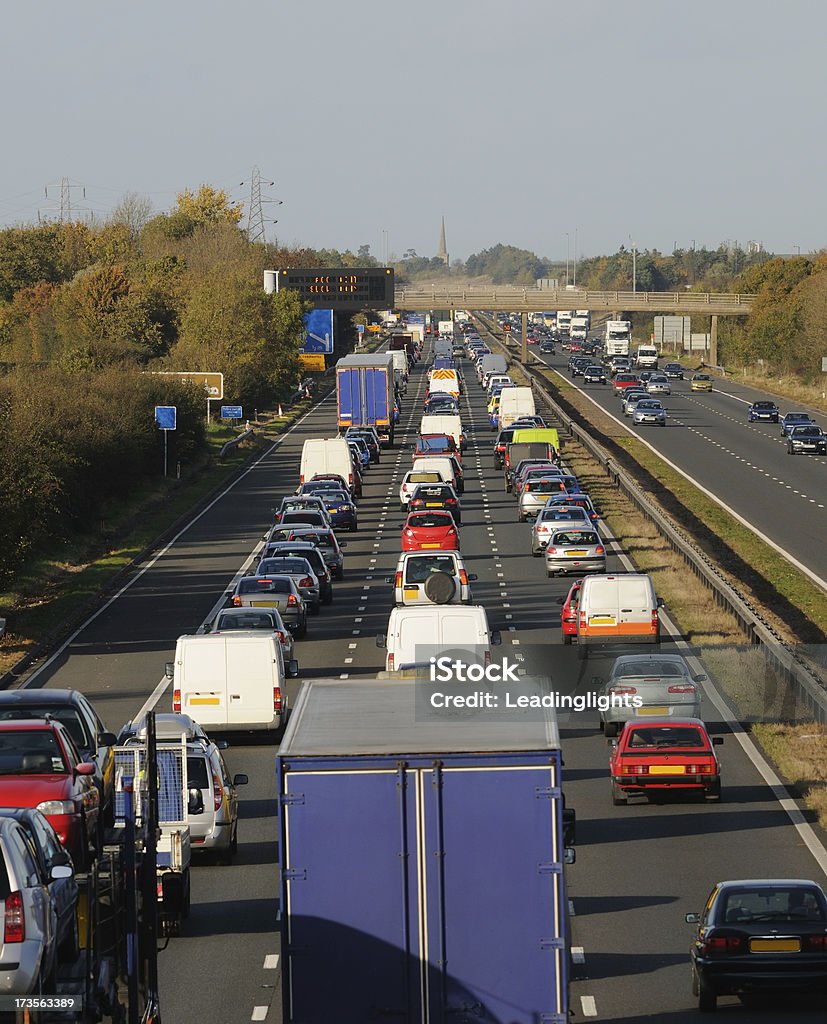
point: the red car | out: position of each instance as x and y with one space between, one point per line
568 613
425 530
625 380
41 768
664 754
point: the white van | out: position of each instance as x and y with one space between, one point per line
230 681
417 633
326 455
444 466
514 403
618 608
646 357
444 381
451 425
400 362
492 363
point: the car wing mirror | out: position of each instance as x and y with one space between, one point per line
569 855
661 603
240 779
381 640
472 577
496 638
699 677
692 918
61 871
107 739
169 669
342 543
222 744
292 669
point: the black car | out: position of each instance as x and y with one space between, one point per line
76 714
674 371
594 374
763 411
759 935
547 347
808 439
441 496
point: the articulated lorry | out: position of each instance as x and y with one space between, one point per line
422 861
618 337
364 394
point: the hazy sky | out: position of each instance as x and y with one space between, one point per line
518 121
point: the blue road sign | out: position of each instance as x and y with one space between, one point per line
165 416
231 412
318 326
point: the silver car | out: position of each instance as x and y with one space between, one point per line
534 495
575 550
630 399
553 518
302 572
659 385
431 577
257 620
279 592
649 410
663 682
28 953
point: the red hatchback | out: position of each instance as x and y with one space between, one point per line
625 380
664 754
41 768
424 531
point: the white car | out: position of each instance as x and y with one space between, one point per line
431 577
659 385
412 479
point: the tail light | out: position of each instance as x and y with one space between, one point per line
350 478
217 790
409 533
722 944
301 479
15 920
397 582
654 619
817 941
305 581
635 769
236 601
176 701
344 508
450 501
417 501
280 635
277 699
622 689
463 578
600 550
681 688
159 889
487 658
390 663
292 601
549 548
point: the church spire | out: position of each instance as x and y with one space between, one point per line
442 249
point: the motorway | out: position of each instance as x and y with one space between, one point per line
744 464
639 868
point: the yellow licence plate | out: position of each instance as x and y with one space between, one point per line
774 945
433 504
205 700
651 711
576 554
410 592
430 545
602 620
264 604
667 769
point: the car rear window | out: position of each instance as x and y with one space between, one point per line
197 775
270 585
782 903
428 519
30 752
667 736
313 518
321 540
418 569
249 620
285 565
650 668
67 716
575 537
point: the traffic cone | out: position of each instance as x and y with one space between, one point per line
280 412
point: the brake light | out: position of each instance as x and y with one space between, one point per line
600 550
14 929
217 790
681 688
635 769
390 663
301 479
722 944
654 618
398 579
305 581
817 941
463 578
236 601
622 689
292 601
277 699
176 701
487 658
549 548
280 635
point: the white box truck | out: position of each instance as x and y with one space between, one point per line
322 455
618 337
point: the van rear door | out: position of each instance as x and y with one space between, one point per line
634 605
203 680
252 674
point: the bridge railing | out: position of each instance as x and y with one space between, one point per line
548 298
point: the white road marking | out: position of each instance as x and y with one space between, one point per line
578 956
572 911
588 1006
271 961
259 1013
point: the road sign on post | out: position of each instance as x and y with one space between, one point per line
213 383
166 419
231 412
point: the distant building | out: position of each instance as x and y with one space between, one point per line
442 249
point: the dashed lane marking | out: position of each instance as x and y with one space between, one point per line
271 961
578 955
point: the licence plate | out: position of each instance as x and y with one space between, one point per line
775 945
667 769
576 554
433 504
205 700
602 620
264 604
430 545
410 592
652 711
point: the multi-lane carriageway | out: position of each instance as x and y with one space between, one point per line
639 868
